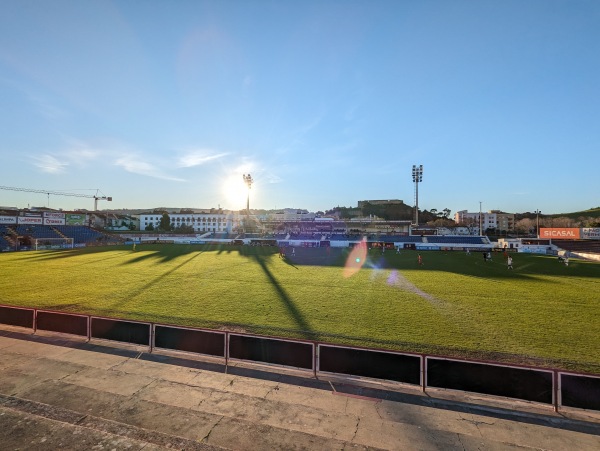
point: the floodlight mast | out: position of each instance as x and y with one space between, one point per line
417 176
248 181
537 213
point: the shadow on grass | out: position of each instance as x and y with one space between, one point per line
526 266
261 258
135 293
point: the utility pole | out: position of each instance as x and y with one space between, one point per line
537 213
480 221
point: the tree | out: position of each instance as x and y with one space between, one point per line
526 225
165 223
149 228
442 222
184 228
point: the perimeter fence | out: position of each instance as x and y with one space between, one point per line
553 387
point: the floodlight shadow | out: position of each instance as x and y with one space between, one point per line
305 328
139 291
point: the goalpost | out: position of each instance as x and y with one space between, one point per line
54 243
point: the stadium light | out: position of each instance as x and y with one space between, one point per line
537 213
417 176
248 181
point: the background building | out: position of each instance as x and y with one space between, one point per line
494 219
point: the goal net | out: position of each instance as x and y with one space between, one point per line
53 243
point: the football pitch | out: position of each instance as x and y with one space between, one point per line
541 312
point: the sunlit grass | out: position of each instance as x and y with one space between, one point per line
455 304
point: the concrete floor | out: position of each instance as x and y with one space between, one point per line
57 392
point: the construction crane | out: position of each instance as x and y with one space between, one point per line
96 197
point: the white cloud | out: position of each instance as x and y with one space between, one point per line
80 153
137 165
197 158
272 178
49 164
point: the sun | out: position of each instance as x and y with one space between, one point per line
236 191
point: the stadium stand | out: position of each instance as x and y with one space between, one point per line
6 242
83 234
36 231
437 239
585 246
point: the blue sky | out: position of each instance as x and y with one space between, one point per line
324 103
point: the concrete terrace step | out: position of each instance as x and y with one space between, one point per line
166 401
33 425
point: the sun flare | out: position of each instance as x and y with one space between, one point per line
236 191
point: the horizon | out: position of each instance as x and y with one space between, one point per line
322 102
151 210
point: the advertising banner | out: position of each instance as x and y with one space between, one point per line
54 215
8 219
54 221
560 233
30 220
591 233
72 219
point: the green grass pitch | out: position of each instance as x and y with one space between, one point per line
542 312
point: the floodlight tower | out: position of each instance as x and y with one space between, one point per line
537 213
417 176
248 181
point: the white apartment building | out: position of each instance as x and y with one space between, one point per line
493 219
290 214
200 222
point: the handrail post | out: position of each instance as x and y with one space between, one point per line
555 389
423 372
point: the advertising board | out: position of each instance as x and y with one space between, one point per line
591 233
8 219
560 233
29 220
54 221
54 215
75 219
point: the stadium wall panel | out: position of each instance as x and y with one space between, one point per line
368 363
190 340
580 391
268 350
16 316
62 322
124 331
520 383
